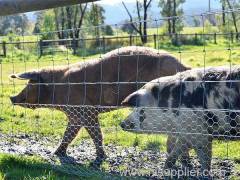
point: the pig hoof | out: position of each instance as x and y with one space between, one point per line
60 153
98 161
168 165
187 164
172 168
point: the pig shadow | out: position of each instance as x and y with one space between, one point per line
68 160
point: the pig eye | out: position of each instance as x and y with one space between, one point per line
142 115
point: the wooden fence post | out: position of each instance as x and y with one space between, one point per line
232 40
103 44
155 41
130 40
215 38
196 38
4 48
41 47
177 39
74 46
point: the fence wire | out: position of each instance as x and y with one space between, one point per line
71 88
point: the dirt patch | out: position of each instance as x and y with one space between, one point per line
130 161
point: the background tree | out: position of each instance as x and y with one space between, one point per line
39 21
141 26
48 25
70 17
234 4
196 21
61 19
108 30
59 16
127 27
223 2
96 18
45 22
17 24
172 9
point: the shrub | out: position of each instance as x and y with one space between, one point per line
188 40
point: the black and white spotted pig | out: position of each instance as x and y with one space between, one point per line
196 106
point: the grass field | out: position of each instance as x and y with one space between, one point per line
18 120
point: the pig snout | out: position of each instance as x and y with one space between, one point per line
13 99
17 99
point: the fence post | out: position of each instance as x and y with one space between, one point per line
103 44
74 46
176 39
232 37
41 47
4 48
130 40
155 41
196 39
215 38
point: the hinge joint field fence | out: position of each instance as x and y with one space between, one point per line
112 107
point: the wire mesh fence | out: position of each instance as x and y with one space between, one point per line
70 88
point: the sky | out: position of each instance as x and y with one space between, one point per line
114 2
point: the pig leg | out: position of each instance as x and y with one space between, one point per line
96 135
179 148
171 143
204 153
70 133
185 158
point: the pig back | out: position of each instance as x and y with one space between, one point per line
109 80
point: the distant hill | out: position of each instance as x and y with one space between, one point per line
115 13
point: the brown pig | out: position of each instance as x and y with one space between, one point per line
103 83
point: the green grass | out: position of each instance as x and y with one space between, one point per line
52 124
22 167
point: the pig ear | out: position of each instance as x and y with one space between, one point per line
132 100
34 75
